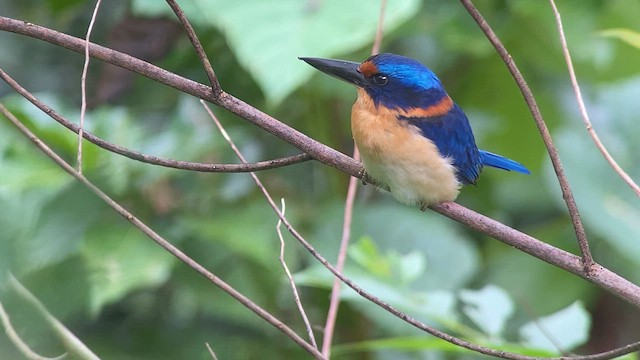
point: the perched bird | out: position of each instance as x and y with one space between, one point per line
413 139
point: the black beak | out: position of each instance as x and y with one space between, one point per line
341 69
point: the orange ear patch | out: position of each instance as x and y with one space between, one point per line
368 69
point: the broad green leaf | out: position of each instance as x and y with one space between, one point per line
121 259
509 269
257 242
433 307
18 216
489 308
31 172
451 259
285 29
53 231
411 266
427 342
626 35
365 253
117 126
398 343
267 37
560 331
23 166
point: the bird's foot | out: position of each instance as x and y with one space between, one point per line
364 177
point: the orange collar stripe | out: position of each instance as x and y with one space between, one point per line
438 109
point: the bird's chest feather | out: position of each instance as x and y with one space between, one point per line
396 154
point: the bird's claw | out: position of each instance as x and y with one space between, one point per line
362 175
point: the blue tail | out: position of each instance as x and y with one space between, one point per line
500 162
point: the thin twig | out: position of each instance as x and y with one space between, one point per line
22 346
195 42
265 315
235 149
213 354
83 83
292 283
71 342
149 159
602 277
583 108
567 194
377 42
334 302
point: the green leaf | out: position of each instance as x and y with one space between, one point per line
393 267
408 343
489 308
258 242
365 253
398 343
303 28
434 306
560 331
30 170
411 266
53 230
510 269
451 260
626 35
23 166
268 36
121 259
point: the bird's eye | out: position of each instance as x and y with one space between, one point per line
380 79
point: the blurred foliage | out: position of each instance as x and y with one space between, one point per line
321 28
127 299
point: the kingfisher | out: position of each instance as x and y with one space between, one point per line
413 139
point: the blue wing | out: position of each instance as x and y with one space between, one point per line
453 137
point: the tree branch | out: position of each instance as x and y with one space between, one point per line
83 84
149 159
197 46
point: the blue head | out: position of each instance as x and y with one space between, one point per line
394 81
